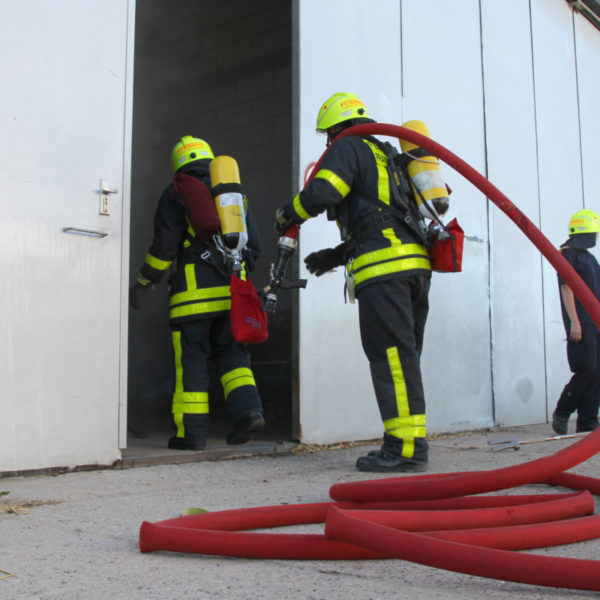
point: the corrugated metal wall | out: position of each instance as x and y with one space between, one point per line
509 88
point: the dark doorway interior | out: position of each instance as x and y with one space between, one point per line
220 70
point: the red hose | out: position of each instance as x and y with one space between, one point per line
526 537
155 537
414 520
576 482
263 517
476 482
474 560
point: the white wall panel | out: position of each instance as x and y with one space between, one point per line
559 160
499 89
442 86
515 269
339 51
587 41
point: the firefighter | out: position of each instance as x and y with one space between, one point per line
387 268
582 392
199 304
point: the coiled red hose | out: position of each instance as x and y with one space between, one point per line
463 558
262 517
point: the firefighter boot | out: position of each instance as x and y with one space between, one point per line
389 459
245 428
191 432
588 425
560 424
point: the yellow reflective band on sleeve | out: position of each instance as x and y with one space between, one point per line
383 179
157 263
299 209
235 379
195 403
335 180
141 279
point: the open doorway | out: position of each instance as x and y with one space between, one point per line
220 70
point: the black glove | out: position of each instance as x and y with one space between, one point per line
136 294
282 223
324 260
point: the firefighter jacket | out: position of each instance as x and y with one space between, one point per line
587 268
199 283
352 174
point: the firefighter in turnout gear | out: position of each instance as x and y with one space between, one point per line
581 395
387 268
187 244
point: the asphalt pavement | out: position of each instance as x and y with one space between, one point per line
75 535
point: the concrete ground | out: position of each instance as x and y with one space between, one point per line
75 535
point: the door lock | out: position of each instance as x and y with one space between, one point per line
105 191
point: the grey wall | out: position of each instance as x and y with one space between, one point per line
219 70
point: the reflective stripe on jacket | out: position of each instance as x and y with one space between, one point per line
353 168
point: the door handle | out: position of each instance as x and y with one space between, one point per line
105 191
90 232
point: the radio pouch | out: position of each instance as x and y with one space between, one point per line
248 319
199 204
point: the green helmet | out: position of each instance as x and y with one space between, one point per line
584 221
339 108
187 150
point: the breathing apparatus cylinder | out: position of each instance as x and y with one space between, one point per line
425 175
229 199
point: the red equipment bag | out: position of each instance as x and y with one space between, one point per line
200 205
446 255
248 319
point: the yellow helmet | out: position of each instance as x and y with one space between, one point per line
339 108
187 150
584 221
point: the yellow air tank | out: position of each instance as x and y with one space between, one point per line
425 175
229 199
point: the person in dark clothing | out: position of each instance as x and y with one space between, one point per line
582 392
200 302
387 268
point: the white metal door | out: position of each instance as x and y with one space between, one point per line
65 123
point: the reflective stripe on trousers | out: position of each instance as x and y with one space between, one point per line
392 322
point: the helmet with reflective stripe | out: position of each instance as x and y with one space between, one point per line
584 221
339 108
187 150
